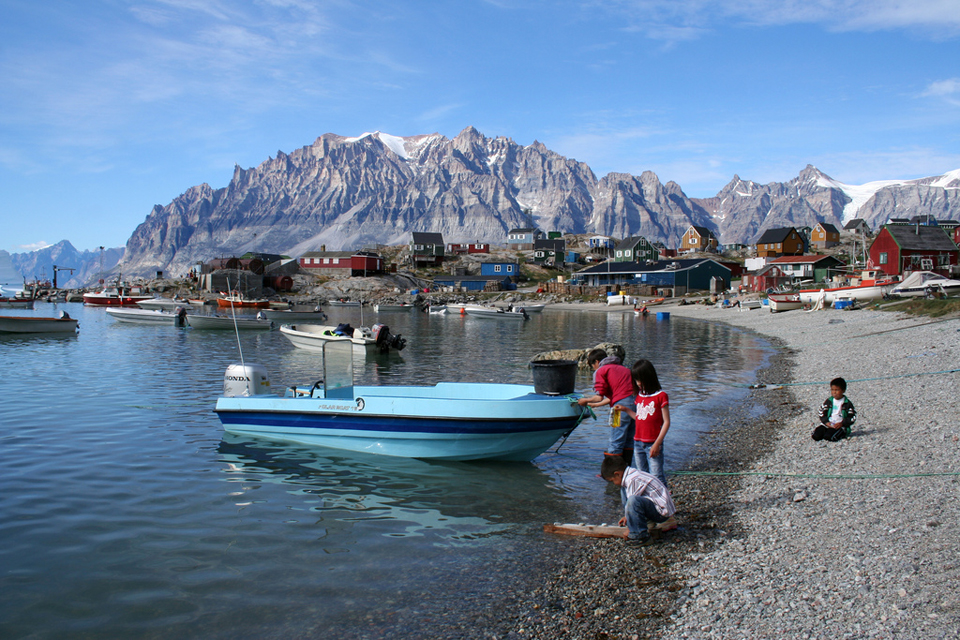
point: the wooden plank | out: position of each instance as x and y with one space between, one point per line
586 530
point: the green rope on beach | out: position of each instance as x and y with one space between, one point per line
831 476
777 385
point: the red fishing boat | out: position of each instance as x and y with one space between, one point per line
118 295
236 299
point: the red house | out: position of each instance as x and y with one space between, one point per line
898 249
344 263
769 277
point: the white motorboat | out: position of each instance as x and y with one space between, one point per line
229 323
380 308
779 302
493 312
36 324
148 316
166 304
922 283
871 285
312 337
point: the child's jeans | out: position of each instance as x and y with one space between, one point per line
622 437
638 511
643 461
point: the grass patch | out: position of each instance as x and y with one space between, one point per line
924 307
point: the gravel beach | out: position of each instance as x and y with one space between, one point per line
784 537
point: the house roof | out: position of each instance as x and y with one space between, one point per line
646 267
420 237
523 230
827 227
774 235
550 245
328 254
703 231
856 223
802 260
630 242
920 238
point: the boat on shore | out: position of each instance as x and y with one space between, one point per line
447 421
871 285
229 323
924 283
313 337
237 300
36 324
148 316
779 302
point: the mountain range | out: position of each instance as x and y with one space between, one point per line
350 193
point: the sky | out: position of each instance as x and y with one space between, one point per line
109 107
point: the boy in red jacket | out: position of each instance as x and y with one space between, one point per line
613 384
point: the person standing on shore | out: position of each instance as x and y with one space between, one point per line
647 501
652 414
613 384
836 414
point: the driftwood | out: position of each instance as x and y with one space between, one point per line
586 530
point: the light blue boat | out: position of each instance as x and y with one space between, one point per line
447 421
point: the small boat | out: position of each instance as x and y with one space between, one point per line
19 300
344 303
532 308
437 309
783 302
149 316
493 312
228 323
447 421
167 304
35 324
872 285
199 302
923 283
236 299
749 304
380 308
117 295
286 316
313 337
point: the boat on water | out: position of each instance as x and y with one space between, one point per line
923 283
438 309
313 337
13 302
344 303
380 308
286 316
229 323
116 295
176 318
37 324
447 421
236 299
167 304
871 285
493 312
779 302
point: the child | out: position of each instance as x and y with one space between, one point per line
836 414
653 419
647 499
613 384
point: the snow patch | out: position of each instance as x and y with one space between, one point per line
394 143
946 179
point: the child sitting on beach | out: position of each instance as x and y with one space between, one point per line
648 500
836 414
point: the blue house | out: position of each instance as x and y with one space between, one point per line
476 283
523 239
677 276
499 269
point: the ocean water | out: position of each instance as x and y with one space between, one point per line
126 512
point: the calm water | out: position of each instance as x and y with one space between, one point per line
126 512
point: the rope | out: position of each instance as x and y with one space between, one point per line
844 476
824 382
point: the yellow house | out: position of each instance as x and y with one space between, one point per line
698 239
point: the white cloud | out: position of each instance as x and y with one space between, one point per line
33 246
948 89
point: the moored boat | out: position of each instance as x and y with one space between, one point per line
404 306
117 295
447 421
236 299
228 323
313 337
36 324
872 285
148 316
286 316
493 312
167 304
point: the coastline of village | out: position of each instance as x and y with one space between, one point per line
781 536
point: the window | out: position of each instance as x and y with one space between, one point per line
883 258
779 245
496 268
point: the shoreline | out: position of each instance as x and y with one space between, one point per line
795 538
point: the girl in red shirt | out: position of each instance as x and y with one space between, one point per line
652 417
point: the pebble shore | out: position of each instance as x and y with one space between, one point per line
784 537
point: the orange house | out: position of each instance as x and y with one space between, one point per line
780 242
698 239
825 235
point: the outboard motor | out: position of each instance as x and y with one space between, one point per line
385 340
245 380
181 314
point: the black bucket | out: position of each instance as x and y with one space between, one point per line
554 377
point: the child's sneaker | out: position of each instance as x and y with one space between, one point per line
645 541
668 525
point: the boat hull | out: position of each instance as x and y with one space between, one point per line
312 337
779 303
462 421
97 299
32 324
225 323
285 316
144 316
861 294
498 314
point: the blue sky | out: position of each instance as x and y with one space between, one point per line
108 107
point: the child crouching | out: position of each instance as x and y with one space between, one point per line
647 499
